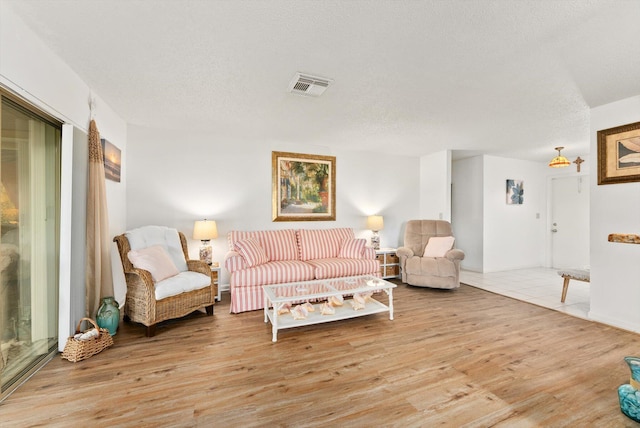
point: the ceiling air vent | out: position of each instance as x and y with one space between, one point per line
304 84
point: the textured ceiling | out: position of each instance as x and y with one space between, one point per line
508 78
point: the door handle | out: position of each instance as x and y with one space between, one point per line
554 230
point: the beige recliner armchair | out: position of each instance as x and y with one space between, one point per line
440 267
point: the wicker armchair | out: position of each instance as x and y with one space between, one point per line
141 305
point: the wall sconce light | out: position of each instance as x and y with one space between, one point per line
559 161
375 223
205 230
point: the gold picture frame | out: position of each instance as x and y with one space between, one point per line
619 154
303 187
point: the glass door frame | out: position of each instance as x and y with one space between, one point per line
53 124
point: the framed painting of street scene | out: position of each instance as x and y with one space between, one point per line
303 187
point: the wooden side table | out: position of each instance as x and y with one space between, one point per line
215 277
389 263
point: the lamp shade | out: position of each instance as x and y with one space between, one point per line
205 230
559 161
375 222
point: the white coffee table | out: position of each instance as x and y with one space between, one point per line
317 292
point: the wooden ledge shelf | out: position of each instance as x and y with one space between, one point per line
624 238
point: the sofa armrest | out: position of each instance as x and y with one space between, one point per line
455 255
233 261
404 252
369 253
198 266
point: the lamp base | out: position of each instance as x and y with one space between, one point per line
375 241
205 253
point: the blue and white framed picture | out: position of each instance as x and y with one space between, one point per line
515 192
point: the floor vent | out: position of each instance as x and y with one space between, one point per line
304 84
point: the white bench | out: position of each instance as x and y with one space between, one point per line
569 274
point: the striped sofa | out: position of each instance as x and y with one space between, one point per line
258 258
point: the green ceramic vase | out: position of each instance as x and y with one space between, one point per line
629 393
108 315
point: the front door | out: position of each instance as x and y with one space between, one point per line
570 222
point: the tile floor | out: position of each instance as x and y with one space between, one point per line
540 286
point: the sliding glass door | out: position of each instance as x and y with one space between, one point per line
29 225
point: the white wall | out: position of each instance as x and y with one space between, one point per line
435 186
496 236
513 236
32 71
467 219
615 208
177 178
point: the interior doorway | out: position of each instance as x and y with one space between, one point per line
569 222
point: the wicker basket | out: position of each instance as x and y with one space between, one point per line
78 350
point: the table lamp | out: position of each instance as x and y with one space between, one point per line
205 230
375 223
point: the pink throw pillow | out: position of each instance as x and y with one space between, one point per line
437 246
154 259
352 248
251 251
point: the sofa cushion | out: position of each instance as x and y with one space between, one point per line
430 266
336 267
251 251
154 259
181 283
277 272
437 246
277 244
147 236
352 248
322 243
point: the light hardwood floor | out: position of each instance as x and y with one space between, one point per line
450 358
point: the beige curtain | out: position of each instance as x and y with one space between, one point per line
99 280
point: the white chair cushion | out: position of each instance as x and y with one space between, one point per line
147 236
437 246
181 283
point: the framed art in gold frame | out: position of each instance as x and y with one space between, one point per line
619 154
303 187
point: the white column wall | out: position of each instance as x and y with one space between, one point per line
615 208
467 210
435 186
